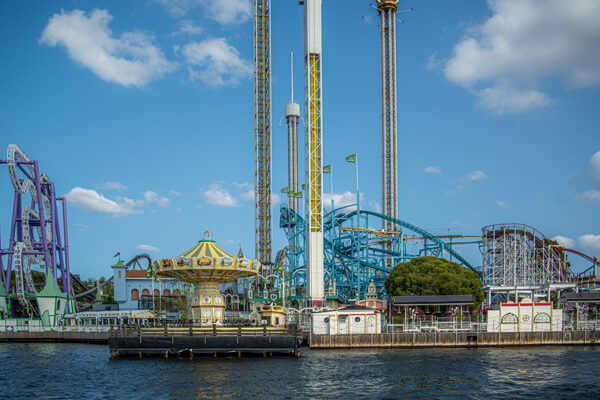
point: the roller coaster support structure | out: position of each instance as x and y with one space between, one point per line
355 254
36 235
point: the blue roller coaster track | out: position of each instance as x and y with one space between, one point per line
354 252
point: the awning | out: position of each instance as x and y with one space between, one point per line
593 297
453 300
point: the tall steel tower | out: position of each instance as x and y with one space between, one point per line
313 152
387 31
262 131
292 116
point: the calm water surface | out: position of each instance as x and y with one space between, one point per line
48 371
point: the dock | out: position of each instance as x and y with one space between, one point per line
454 339
188 341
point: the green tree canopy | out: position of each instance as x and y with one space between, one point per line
433 276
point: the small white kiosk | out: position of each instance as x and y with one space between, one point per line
349 320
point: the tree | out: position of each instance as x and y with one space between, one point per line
433 276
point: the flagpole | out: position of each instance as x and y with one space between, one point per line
331 185
357 192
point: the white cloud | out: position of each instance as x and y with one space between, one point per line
112 186
564 241
275 199
375 206
476 175
179 209
433 170
501 204
506 99
218 63
81 227
153 197
94 201
147 247
223 11
589 196
175 193
228 11
218 196
589 242
129 60
248 195
340 199
242 185
187 27
505 59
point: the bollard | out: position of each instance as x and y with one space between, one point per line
239 354
215 354
191 354
167 354
140 354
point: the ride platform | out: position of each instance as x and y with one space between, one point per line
194 340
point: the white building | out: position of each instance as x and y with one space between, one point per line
349 320
525 316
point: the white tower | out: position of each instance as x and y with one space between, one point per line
387 29
313 153
292 116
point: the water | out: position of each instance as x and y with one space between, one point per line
48 371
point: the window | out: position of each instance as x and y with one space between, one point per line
276 320
166 292
119 274
510 318
542 318
176 292
145 292
156 292
357 319
135 294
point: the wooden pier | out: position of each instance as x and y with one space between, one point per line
454 339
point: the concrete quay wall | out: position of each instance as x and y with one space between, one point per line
454 339
54 337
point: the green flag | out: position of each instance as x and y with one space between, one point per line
284 190
303 186
327 169
351 158
291 193
298 195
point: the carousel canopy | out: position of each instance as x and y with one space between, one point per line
206 262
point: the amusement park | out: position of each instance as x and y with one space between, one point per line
347 276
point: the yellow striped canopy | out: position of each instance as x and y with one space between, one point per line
206 248
206 262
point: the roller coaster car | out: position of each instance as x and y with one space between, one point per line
166 263
242 262
204 262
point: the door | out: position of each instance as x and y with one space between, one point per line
343 324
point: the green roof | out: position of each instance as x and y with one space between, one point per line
2 291
51 289
119 264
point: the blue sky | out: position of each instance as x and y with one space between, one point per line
141 111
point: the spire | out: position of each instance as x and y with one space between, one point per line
51 288
292 75
240 253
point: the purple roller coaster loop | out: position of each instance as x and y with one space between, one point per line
52 249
